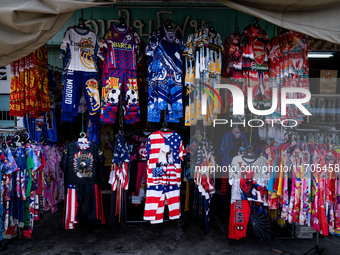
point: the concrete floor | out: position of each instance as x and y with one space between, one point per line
174 237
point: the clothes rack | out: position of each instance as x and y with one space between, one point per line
12 130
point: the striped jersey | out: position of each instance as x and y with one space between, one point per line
119 48
164 151
79 49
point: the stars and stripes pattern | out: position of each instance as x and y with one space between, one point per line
155 201
71 206
120 164
171 172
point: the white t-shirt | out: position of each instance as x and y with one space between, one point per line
239 164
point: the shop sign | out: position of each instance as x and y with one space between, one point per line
146 20
143 28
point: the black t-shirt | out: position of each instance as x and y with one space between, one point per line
83 165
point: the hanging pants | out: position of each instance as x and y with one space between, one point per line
239 217
115 82
74 80
165 93
76 195
155 201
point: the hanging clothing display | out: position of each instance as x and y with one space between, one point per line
305 186
43 126
119 51
231 68
248 179
29 91
255 66
267 170
203 62
82 163
253 61
164 152
53 178
78 50
234 142
8 167
164 51
138 169
247 66
119 178
32 183
202 153
289 67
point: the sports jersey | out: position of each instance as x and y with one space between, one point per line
80 47
165 75
233 67
255 65
8 163
79 50
164 151
119 53
82 165
288 67
203 53
119 50
254 56
296 69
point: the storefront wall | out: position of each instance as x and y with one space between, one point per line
146 19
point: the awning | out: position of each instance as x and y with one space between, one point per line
26 25
317 18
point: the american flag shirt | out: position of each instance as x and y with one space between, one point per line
164 151
120 163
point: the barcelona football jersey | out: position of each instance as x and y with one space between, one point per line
120 48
